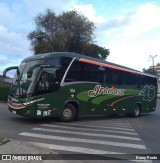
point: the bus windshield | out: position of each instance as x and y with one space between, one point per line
31 76
22 85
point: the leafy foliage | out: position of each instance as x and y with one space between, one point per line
150 71
69 31
4 91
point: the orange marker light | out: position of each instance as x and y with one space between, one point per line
113 88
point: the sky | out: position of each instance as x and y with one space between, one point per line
129 28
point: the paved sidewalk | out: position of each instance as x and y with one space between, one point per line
22 147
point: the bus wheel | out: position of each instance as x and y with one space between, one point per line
69 113
136 111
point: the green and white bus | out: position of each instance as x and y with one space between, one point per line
67 85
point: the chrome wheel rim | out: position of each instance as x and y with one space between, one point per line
136 111
67 113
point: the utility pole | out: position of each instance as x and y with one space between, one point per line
151 56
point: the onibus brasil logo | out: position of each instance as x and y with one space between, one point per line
99 90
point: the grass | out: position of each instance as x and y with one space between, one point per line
4 91
3 140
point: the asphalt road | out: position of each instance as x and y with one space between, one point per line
111 134
148 128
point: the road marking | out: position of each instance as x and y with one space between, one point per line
111 143
75 149
87 134
106 123
86 151
89 129
103 127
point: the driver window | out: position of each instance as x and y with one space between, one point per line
46 82
43 82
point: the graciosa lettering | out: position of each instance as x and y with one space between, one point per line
98 89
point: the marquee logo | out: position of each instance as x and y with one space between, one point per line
98 90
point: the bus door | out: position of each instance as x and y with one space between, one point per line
46 89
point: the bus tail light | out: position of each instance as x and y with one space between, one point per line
53 110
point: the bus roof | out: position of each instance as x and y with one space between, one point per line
85 58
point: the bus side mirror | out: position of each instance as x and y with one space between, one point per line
8 69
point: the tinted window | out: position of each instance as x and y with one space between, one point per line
146 80
99 74
52 61
131 79
62 63
74 73
81 71
108 76
86 72
118 77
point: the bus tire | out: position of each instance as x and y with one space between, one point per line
136 111
68 113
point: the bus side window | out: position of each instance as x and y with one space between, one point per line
152 81
143 80
86 73
74 72
147 80
118 77
138 81
79 71
64 63
131 80
108 73
99 74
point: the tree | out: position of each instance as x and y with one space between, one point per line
69 31
95 51
150 71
